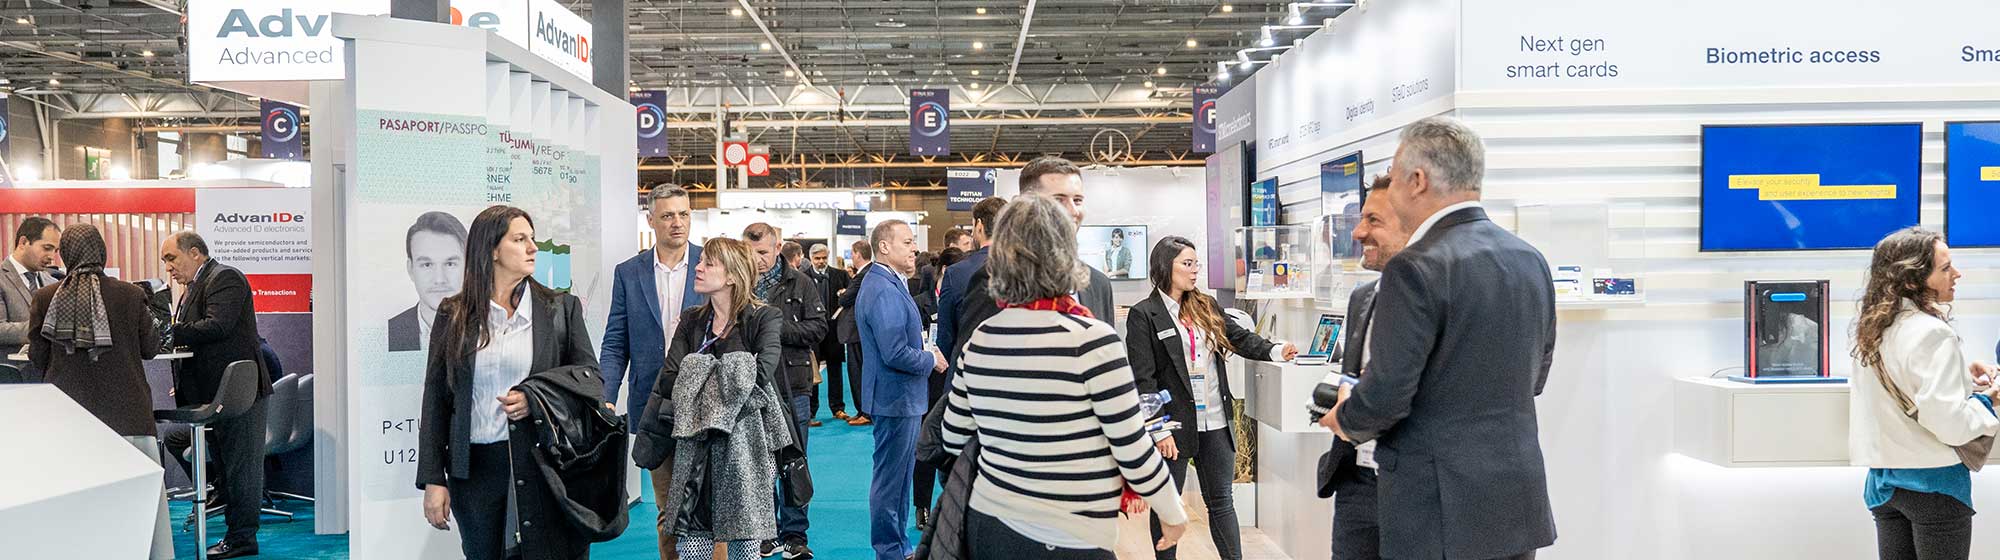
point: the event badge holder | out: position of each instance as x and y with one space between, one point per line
1327 394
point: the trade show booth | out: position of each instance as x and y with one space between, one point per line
1660 156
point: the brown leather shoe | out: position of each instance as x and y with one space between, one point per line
859 421
840 415
815 424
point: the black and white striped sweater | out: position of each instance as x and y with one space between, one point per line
1053 402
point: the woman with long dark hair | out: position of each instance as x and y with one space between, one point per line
474 462
720 424
1914 399
1177 339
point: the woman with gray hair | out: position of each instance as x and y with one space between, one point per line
91 337
1045 389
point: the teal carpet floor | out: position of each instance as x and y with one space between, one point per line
841 465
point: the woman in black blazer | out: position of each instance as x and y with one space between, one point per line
503 327
1177 321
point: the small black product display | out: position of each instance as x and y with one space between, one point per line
1785 330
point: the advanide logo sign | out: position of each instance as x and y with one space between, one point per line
559 36
265 40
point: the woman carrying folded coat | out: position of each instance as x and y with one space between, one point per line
715 412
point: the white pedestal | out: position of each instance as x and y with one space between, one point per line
1736 424
1278 393
73 488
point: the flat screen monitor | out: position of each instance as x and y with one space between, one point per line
1972 184
1342 190
1808 186
1226 202
1264 202
1117 251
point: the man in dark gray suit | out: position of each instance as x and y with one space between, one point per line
22 272
1463 335
1347 472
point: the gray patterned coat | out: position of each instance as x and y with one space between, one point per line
729 416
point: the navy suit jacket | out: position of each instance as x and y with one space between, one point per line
896 370
957 281
635 335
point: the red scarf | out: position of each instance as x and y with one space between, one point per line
1060 304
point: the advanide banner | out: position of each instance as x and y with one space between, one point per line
262 40
930 122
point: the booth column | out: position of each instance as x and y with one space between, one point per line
609 60
438 11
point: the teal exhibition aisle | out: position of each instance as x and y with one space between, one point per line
840 463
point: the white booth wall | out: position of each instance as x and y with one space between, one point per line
1164 199
1607 417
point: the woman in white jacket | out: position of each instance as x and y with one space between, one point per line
1914 398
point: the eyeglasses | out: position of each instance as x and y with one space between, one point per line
1190 263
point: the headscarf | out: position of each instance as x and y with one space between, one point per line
76 319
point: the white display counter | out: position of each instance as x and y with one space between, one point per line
66 466
1733 424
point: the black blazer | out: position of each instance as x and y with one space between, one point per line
218 323
797 298
831 284
1465 319
444 438
1339 461
1161 363
845 327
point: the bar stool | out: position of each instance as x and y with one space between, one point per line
233 399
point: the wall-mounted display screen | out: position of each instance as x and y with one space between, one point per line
1117 251
1226 180
1342 189
1264 202
1808 186
1972 184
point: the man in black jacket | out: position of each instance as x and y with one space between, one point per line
850 336
791 291
217 322
1464 334
832 280
1346 470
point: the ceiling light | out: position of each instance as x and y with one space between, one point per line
975 72
736 12
633 89
21 20
1221 67
1226 8
764 46
1149 84
981 11
1265 40
147 54
1191 43
976 45
789 73
55 82
1162 71
973 85
1222 76
891 23
1295 18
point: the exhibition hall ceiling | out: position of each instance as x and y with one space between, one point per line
1116 71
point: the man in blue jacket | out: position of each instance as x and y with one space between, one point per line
651 290
897 370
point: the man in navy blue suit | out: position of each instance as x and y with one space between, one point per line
652 288
896 369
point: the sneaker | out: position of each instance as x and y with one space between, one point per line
768 548
798 551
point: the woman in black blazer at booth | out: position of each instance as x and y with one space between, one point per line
1161 333
504 326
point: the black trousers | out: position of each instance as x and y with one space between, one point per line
1215 466
928 473
834 398
479 504
235 468
990 539
1923 526
1356 535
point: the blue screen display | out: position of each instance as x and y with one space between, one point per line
1340 196
1791 187
1972 184
1264 202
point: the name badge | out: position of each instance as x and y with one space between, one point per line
1166 334
1364 456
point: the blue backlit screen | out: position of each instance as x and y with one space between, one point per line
1808 186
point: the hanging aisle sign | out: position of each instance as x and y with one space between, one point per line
650 110
966 187
1204 118
282 139
851 222
6 173
930 122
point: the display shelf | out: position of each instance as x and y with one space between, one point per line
1599 302
1274 262
1587 244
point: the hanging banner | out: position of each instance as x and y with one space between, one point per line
930 122
1204 118
851 222
966 187
6 173
650 109
261 40
281 131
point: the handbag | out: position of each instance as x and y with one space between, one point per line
1972 453
798 480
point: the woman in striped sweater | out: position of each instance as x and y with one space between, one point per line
1047 391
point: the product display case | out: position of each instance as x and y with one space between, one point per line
1274 262
1596 251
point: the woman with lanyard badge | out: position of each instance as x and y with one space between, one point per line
1176 340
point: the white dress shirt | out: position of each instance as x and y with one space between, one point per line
501 365
1210 414
25 274
671 282
1439 216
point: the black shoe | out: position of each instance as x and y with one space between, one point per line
224 550
768 548
797 550
923 519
